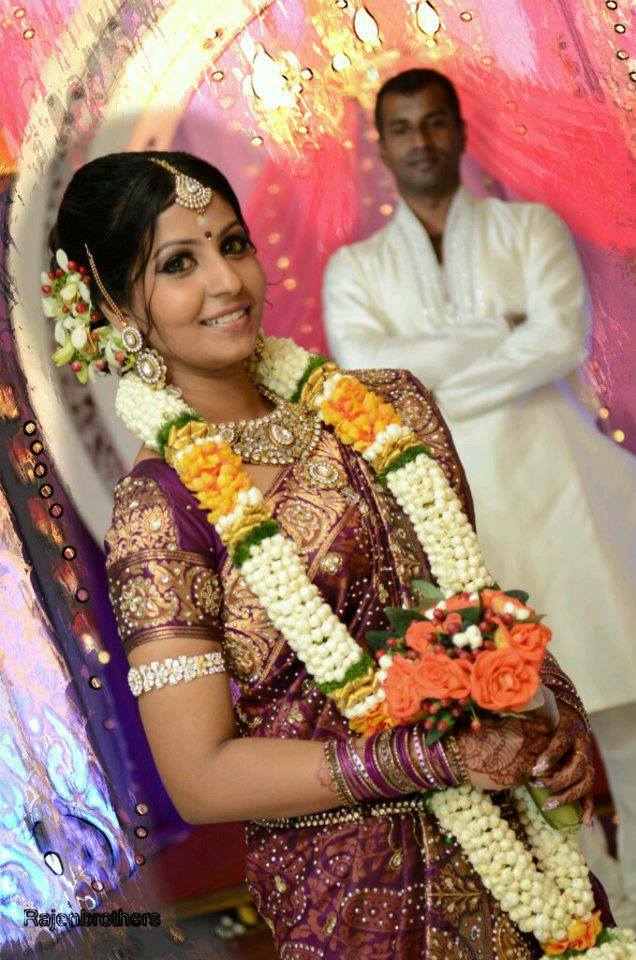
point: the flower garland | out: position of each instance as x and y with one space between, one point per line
552 901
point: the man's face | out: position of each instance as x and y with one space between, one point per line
421 141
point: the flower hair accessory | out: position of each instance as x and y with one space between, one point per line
86 340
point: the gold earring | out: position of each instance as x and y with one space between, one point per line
259 346
149 364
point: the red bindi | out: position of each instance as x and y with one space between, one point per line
208 234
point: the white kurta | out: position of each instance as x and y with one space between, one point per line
554 499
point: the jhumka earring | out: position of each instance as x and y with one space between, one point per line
259 346
149 364
189 193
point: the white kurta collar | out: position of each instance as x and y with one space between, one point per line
458 252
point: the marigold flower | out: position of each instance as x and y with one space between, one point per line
581 935
358 415
215 475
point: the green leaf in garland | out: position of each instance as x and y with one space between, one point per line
178 422
401 460
428 591
268 528
519 595
315 360
377 638
401 619
355 670
470 615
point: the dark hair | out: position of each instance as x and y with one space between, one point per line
412 81
111 205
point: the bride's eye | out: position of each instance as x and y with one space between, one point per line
238 243
177 263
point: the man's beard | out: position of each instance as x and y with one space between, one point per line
438 182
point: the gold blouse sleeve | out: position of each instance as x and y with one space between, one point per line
157 589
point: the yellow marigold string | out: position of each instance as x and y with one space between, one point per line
215 475
358 415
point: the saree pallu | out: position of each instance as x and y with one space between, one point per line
378 882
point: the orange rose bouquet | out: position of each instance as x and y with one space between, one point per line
461 658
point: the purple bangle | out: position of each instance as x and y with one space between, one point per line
425 765
363 776
384 788
448 777
349 773
401 735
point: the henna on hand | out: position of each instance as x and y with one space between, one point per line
569 772
570 734
573 769
500 754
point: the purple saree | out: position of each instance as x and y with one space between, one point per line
378 883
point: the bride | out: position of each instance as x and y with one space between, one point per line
154 275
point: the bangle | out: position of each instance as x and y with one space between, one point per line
460 767
158 673
377 750
424 764
392 770
370 789
417 772
443 764
338 782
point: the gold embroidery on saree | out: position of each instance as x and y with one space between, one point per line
143 519
151 591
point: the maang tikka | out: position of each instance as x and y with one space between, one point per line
189 193
149 364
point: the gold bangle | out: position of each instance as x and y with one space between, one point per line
393 771
339 784
377 750
460 772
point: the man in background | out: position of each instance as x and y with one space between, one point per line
483 300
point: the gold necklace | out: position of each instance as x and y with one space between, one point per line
287 435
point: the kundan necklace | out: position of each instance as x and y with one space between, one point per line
287 435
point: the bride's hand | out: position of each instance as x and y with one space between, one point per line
501 753
565 765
